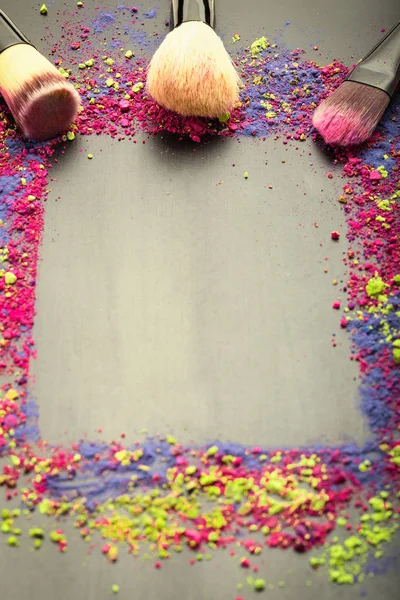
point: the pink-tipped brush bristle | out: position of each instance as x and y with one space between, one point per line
192 74
350 115
43 103
44 108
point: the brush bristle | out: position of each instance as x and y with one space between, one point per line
192 74
40 99
351 114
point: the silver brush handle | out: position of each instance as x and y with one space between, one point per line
381 67
192 10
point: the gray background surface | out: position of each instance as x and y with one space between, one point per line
170 301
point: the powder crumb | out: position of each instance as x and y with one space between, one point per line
43 10
259 585
10 278
224 118
115 588
13 541
36 532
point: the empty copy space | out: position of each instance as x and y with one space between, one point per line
195 305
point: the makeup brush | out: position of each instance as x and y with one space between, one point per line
191 73
40 99
351 114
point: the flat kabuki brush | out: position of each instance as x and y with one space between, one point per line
351 114
191 73
40 99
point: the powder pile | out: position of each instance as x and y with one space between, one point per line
204 498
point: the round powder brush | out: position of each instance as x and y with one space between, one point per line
191 73
40 99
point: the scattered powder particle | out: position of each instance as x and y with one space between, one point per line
375 286
259 585
112 554
335 235
224 118
10 278
115 588
43 10
259 45
12 541
137 87
36 532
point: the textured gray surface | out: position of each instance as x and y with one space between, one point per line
177 296
195 307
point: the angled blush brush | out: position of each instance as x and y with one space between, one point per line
351 114
40 99
191 73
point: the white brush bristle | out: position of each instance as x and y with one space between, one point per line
40 99
192 74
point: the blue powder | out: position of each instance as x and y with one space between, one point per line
90 449
377 388
285 82
381 566
142 39
8 187
150 14
30 429
388 128
103 22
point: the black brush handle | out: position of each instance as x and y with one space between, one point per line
381 67
192 10
10 35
